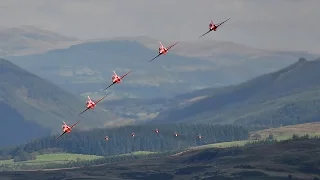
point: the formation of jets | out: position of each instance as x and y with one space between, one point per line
90 104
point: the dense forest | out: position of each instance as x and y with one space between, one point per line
120 140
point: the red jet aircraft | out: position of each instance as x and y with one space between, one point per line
66 128
156 130
116 79
163 50
91 104
213 27
176 134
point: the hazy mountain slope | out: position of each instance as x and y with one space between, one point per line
25 40
26 97
87 68
224 53
288 96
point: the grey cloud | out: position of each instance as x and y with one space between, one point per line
272 24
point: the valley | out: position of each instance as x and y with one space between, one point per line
208 110
285 97
86 68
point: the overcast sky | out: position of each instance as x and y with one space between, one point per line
270 24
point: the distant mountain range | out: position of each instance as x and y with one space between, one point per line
288 96
87 67
26 40
32 107
223 52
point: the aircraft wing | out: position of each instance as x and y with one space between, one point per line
155 57
83 111
102 98
109 85
75 124
204 33
222 22
125 74
172 45
61 135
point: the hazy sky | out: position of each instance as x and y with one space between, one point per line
271 24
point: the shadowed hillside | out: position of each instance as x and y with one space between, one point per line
23 130
288 96
32 107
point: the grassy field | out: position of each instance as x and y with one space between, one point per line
61 158
285 132
53 158
296 158
223 144
137 153
280 134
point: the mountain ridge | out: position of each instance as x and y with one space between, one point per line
33 102
25 40
209 49
84 68
276 96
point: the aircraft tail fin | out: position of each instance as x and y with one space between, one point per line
161 44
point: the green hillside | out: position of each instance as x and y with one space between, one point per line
58 158
32 107
284 132
288 96
293 159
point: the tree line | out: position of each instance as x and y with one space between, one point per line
132 157
121 142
